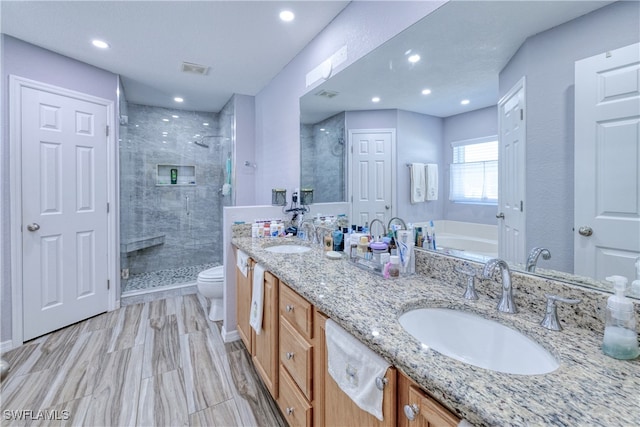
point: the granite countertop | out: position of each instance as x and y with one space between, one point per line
588 388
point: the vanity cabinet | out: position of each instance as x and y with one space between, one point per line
334 406
296 358
265 345
243 304
418 409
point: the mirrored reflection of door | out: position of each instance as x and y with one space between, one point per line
371 175
607 163
511 198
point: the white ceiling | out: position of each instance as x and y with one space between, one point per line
244 42
463 46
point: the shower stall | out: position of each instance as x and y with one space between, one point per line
175 176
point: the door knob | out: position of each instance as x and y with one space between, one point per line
585 231
411 411
500 215
33 227
387 207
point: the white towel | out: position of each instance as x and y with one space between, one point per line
355 368
431 181
242 261
417 182
257 299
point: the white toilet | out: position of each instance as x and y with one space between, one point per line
210 285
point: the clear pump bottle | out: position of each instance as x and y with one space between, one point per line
620 336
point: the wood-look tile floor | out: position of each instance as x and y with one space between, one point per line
160 363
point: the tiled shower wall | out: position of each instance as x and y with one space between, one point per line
322 155
185 220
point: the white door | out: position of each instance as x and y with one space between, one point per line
64 210
371 175
607 163
511 171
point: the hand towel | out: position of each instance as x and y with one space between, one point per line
355 368
417 182
431 181
242 261
257 299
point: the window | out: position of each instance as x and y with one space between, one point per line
474 171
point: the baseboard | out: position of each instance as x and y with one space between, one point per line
229 336
6 346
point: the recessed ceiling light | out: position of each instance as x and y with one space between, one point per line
322 129
287 16
100 44
426 91
165 120
375 99
205 124
178 99
164 142
464 102
175 117
414 58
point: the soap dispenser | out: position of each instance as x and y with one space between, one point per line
635 285
620 336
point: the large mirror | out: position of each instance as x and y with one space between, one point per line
476 51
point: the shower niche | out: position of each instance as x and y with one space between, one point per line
167 175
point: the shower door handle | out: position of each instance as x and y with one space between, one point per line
187 199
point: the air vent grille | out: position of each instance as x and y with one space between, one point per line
327 94
190 67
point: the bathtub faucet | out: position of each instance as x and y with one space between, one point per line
532 259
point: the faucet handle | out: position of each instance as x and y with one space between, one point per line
550 320
470 293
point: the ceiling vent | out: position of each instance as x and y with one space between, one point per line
327 94
189 67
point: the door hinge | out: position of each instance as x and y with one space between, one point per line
107 131
521 206
521 114
108 284
107 207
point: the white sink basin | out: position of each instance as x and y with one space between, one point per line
287 249
478 341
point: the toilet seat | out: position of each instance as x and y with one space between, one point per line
215 274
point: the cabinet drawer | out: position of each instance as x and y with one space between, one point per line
294 406
296 356
427 411
297 311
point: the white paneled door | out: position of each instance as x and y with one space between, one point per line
371 175
512 162
64 210
607 163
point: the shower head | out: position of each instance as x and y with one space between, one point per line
201 142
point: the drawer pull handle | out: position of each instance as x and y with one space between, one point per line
289 411
289 308
289 356
410 411
381 382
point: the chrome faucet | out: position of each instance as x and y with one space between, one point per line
506 304
532 259
404 224
384 228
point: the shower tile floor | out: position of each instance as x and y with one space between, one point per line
161 278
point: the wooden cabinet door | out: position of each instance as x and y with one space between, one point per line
337 408
417 409
265 358
243 304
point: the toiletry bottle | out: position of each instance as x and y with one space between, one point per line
635 285
394 267
338 244
363 247
328 242
620 336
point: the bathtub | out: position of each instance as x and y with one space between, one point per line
467 239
